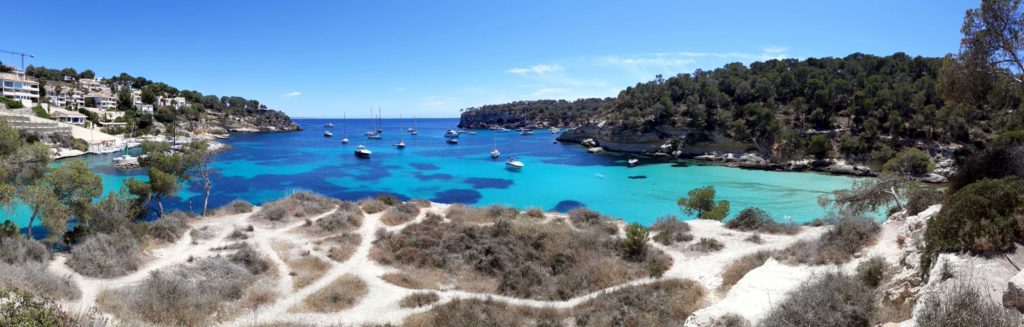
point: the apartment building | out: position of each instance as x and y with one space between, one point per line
103 101
17 86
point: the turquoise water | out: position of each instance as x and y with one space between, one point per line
263 167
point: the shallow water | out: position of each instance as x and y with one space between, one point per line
263 167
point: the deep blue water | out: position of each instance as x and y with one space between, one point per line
264 167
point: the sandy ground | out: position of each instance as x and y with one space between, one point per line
751 297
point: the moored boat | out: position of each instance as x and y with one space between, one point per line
328 134
363 152
452 140
514 163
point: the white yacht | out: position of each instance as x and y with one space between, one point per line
633 162
452 140
328 134
451 133
363 152
329 125
514 163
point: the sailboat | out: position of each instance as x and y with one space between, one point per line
494 151
401 140
344 126
375 133
412 130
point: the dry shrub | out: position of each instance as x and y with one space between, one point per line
483 313
757 220
372 206
735 270
303 267
662 303
298 205
833 299
19 250
234 207
421 203
963 304
400 214
847 236
348 217
755 238
872 272
197 294
463 214
730 320
589 219
105 255
169 227
524 259
534 212
418 299
707 245
238 233
341 294
341 247
32 276
670 230
202 234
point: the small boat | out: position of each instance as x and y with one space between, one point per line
401 140
523 131
633 162
513 163
494 151
363 152
221 136
344 127
451 133
412 130
125 160
329 125
503 130
472 132
328 134
555 130
452 140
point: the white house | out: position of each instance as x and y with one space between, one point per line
103 101
69 117
146 108
17 86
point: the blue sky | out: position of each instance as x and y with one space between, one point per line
432 58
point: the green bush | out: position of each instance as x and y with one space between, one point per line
979 218
909 162
920 197
40 112
635 243
11 104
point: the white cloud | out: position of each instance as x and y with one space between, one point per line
540 69
437 101
292 94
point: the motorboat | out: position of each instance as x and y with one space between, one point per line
328 134
329 125
451 133
472 132
514 163
502 130
373 136
452 140
363 152
555 130
633 162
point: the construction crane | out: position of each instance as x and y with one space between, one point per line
22 54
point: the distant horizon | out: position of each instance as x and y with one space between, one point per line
432 59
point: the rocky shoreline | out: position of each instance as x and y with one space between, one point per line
747 159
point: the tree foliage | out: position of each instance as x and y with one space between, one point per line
701 203
980 218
